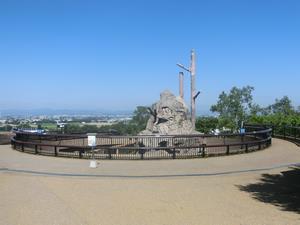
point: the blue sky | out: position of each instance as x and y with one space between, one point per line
120 54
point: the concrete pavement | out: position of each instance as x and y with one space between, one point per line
141 192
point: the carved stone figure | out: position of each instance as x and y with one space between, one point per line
169 116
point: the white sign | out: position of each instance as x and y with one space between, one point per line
92 141
93 164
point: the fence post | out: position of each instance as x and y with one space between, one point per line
109 153
80 153
284 132
242 140
40 138
35 149
55 151
22 147
246 148
142 154
259 146
174 154
203 150
227 149
109 149
295 133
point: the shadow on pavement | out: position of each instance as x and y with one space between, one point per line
282 189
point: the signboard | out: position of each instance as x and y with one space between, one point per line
242 130
91 140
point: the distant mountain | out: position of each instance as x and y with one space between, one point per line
69 112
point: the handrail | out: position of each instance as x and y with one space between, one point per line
143 146
145 136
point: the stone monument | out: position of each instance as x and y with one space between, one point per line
169 116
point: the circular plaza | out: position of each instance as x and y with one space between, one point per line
158 191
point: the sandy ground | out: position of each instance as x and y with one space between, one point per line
141 192
5 137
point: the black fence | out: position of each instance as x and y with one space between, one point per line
286 132
143 147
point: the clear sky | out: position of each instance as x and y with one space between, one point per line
120 54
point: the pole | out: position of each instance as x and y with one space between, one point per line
193 88
194 95
93 153
181 85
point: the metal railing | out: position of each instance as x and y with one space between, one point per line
286 132
143 147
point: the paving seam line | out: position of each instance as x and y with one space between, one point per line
32 172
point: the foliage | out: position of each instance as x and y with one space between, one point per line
206 124
24 125
6 128
280 113
140 117
47 121
75 128
281 106
136 124
234 106
237 106
277 119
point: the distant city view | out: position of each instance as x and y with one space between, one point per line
56 119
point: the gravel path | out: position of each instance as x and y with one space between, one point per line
142 192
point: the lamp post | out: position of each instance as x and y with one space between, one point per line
194 94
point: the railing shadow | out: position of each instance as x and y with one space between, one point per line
282 190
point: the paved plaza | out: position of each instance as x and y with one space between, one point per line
44 190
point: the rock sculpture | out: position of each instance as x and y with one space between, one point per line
169 116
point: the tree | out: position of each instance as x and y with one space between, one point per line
140 117
280 113
24 125
137 123
6 128
257 110
234 106
282 106
206 124
133 126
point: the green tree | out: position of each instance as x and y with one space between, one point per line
24 125
73 128
140 117
6 128
280 113
282 106
138 122
257 110
233 107
206 124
